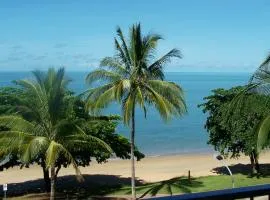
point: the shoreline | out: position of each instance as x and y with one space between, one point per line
149 169
196 152
181 153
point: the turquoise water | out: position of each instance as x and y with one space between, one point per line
153 137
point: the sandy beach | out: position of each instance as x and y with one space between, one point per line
149 169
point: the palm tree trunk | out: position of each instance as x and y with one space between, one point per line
252 161
132 143
256 159
255 162
57 171
52 183
46 176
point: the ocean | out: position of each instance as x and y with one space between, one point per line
153 136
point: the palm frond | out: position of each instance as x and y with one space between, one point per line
127 107
164 107
54 151
266 61
13 141
122 87
121 55
238 101
40 76
105 99
261 75
124 45
16 123
172 92
114 65
36 146
101 74
150 42
263 133
140 98
31 88
93 94
136 46
156 69
89 139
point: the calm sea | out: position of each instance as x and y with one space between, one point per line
153 136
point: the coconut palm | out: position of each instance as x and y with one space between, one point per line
133 77
47 132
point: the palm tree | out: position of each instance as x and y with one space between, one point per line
47 133
133 77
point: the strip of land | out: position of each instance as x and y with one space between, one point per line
150 169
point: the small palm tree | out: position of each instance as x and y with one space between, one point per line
47 132
132 77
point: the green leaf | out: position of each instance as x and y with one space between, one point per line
263 133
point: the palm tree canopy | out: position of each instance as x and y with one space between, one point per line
48 130
133 76
261 78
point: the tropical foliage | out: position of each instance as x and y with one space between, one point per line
47 132
261 80
103 127
14 101
133 77
259 83
237 134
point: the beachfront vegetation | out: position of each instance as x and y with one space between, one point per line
259 84
236 134
48 131
261 81
134 77
12 100
45 124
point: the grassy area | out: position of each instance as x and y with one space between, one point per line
201 184
172 186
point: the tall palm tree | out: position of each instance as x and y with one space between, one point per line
133 77
47 132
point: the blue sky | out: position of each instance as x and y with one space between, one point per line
226 36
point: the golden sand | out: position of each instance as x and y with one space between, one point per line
149 169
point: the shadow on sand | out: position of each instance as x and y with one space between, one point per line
244 169
92 185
